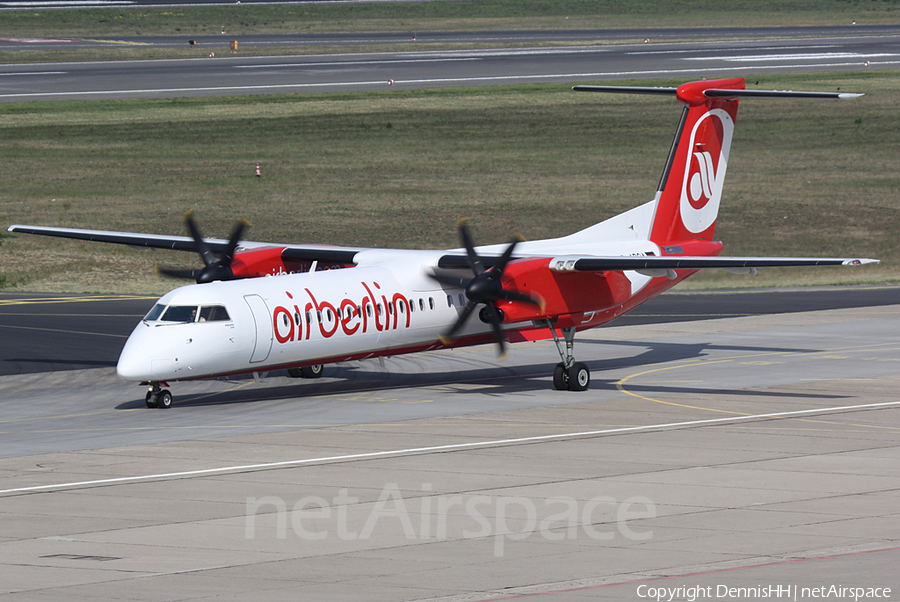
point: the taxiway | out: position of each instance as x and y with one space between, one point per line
738 452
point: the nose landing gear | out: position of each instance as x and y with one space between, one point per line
157 397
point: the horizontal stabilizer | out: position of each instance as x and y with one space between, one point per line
717 93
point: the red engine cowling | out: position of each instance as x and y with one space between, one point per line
267 261
254 263
563 292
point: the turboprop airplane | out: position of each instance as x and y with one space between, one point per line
328 304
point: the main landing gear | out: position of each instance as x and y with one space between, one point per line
569 375
314 371
157 397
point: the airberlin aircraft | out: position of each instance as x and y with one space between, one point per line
259 307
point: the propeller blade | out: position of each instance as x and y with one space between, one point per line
205 253
176 273
466 238
513 295
454 281
498 332
236 234
507 254
463 317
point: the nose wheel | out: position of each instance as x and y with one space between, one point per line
569 375
158 398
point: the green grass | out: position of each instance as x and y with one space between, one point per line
471 15
446 16
399 168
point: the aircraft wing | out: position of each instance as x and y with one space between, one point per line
587 263
596 264
322 253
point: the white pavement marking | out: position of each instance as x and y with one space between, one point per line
345 63
33 73
791 57
446 448
460 80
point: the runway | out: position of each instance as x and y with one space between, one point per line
755 451
235 75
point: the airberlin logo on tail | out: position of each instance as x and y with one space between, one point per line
704 173
702 181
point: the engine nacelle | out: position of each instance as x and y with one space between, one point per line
562 292
267 261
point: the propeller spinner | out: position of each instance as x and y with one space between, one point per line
483 288
213 269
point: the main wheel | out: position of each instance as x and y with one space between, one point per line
164 399
295 372
150 399
579 377
560 377
314 371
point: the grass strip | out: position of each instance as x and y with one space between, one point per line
407 17
398 168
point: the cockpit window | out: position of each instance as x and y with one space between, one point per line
180 313
214 313
154 313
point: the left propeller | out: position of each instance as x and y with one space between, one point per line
213 269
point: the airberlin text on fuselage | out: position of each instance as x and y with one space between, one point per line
374 311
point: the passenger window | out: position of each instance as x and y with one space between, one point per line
154 313
449 300
390 308
421 304
462 300
180 313
214 313
369 310
431 302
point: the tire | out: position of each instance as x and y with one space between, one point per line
314 371
150 400
295 372
579 377
164 399
560 378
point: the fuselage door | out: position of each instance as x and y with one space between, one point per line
262 341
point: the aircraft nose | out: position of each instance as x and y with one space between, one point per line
134 364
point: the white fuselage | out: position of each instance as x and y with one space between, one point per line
386 303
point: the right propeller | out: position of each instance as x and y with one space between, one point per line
213 269
483 288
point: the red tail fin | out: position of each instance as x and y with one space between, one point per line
689 192
687 200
